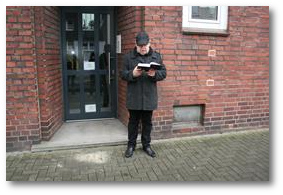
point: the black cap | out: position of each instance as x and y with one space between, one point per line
142 38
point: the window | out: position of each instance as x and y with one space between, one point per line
188 116
205 19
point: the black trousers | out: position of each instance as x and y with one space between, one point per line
145 116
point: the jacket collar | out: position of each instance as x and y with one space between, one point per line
135 54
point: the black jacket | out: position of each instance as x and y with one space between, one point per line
142 91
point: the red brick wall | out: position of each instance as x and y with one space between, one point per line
33 75
130 21
239 98
47 37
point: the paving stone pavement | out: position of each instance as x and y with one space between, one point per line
240 156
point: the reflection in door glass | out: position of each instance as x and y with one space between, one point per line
104 61
90 93
88 42
74 94
71 21
89 88
88 22
72 41
104 93
72 59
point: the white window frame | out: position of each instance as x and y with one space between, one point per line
210 26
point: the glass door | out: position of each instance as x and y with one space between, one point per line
88 63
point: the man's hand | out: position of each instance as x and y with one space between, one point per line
137 72
151 72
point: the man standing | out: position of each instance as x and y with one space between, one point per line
142 96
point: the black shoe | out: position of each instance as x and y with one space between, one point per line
130 151
149 151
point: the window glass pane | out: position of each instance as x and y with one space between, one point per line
90 93
104 61
88 22
88 42
104 93
74 94
89 88
72 41
188 115
204 12
71 21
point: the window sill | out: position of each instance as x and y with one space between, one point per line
188 128
183 125
199 31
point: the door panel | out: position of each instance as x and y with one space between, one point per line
104 61
89 63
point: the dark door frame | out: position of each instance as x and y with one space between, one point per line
114 83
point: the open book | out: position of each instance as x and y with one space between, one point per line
146 67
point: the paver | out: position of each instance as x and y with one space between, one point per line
241 156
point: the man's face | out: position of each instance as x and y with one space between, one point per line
143 49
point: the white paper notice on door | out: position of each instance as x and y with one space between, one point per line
90 108
89 65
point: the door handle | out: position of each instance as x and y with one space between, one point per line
109 67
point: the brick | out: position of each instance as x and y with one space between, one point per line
20 40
